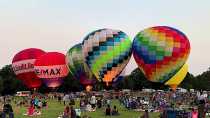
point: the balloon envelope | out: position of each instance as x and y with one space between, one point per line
160 52
51 67
77 66
106 53
120 77
23 66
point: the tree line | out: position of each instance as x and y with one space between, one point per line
9 84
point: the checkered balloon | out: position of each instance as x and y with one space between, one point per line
160 52
77 66
107 52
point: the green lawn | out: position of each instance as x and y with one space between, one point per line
55 109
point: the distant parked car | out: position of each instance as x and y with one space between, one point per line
23 93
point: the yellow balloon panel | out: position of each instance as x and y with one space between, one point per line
178 77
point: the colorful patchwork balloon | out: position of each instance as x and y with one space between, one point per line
77 66
160 52
107 52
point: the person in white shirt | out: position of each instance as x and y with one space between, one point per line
93 102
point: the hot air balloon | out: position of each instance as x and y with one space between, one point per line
51 67
23 67
106 52
160 52
77 66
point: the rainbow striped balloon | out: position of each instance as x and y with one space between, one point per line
160 52
107 52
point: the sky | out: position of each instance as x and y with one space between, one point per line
57 25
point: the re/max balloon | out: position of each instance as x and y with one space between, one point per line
51 67
77 66
23 66
106 52
160 52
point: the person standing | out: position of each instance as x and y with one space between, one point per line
93 102
7 109
73 112
59 98
115 111
99 103
108 111
201 106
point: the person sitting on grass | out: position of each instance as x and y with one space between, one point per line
115 111
67 112
89 108
145 115
108 111
39 106
78 113
31 111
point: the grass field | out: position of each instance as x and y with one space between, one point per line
56 108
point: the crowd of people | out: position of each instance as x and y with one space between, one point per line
87 103
33 105
168 104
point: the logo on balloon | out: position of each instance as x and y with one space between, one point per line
49 72
51 67
23 66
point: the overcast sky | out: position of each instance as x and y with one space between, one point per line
56 25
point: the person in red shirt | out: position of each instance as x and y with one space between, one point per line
31 110
194 113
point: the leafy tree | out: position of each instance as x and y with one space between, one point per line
9 84
202 81
70 84
1 84
188 81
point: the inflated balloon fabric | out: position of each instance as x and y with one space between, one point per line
23 66
160 52
51 67
107 52
77 66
